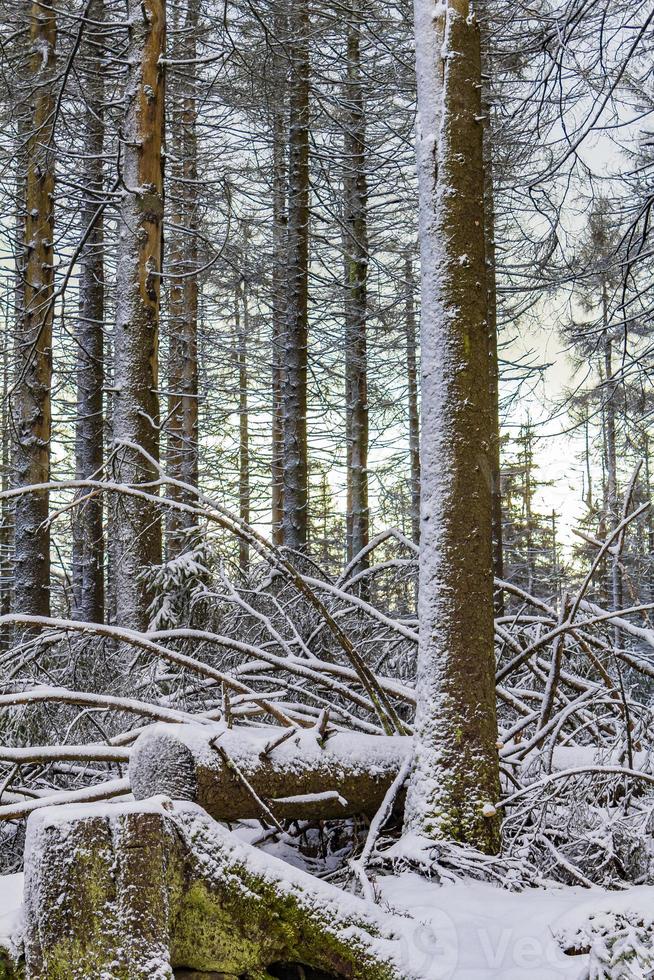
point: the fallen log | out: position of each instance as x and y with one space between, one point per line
299 773
153 890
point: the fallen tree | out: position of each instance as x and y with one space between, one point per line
268 772
136 891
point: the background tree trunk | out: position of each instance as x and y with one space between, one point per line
412 385
32 405
294 383
137 525
242 330
279 137
6 510
88 541
455 779
182 448
355 242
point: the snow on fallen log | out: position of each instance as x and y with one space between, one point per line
297 772
136 890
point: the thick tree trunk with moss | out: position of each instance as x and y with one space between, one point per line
136 524
456 772
31 408
230 772
137 891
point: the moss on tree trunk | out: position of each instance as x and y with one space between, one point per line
135 891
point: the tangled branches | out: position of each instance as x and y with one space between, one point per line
288 642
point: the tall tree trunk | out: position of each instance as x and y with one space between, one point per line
610 451
242 328
355 243
412 385
495 472
279 136
88 542
528 500
6 512
182 448
294 383
137 526
455 779
32 408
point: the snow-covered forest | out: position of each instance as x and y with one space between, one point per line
326 543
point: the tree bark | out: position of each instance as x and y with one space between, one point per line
412 386
491 273
32 406
611 458
279 137
215 770
242 329
137 525
455 779
88 540
6 511
182 448
294 382
355 246
494 372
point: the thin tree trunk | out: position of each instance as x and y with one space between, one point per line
182 447
494 372
88 542
6 512
455 779
279 136
32 408
242 327
412 385
294 383
137 526
355 242
613 517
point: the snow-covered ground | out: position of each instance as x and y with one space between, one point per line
475 931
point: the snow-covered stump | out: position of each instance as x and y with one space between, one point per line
297 773
97 885
136 891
